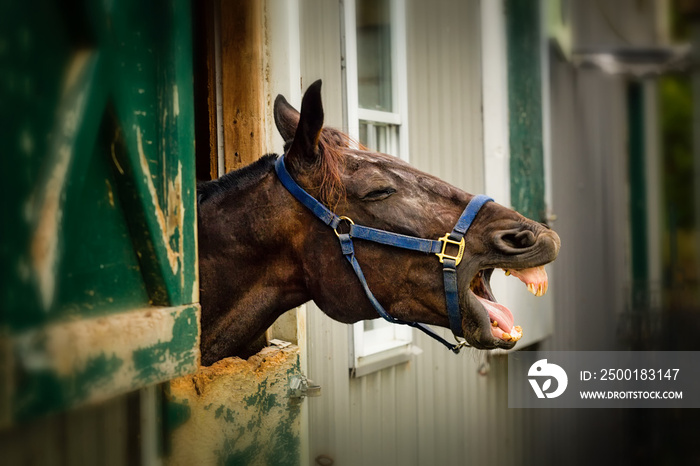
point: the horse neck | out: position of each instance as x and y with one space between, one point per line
249 274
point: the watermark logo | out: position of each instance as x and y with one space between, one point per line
543 370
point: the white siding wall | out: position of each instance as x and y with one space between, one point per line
444 91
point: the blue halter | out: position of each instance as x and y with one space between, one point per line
437 247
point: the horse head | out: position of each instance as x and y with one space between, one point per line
385 193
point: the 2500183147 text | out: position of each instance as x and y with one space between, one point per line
630 374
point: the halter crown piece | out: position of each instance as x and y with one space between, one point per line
437 247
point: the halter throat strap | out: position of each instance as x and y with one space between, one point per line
443 248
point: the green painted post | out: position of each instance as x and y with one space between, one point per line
527 185
637 194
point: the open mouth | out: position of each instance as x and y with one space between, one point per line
501 318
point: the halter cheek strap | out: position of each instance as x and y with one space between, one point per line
439 247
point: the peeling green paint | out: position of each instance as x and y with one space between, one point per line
224 413
176 414
234 457
185 335
295 369
45 391
262 400
68 364
241 412
285 451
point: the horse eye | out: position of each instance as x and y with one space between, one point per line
378 194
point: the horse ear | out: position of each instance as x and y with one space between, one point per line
286 118
305 145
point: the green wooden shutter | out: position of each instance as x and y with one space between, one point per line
99 283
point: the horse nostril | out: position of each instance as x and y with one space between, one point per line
515 240
525 238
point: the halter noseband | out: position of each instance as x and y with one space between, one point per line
437 247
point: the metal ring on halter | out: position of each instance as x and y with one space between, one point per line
347 219
460 344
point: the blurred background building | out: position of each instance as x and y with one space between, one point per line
577 113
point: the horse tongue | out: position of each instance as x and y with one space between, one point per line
499 314
535 278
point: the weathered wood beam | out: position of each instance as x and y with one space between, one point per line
242 81
68 364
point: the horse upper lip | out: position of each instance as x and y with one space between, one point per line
542 252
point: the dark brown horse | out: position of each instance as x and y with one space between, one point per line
262 253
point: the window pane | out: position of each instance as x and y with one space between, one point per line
364 136
380 137
374 54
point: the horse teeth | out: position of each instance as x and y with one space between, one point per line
517 333
507 272
494 324
531 288
506 336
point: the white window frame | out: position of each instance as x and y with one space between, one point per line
390 344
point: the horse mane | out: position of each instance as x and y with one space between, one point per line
237 179
331 145
330 190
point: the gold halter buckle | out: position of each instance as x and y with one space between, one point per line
445 241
